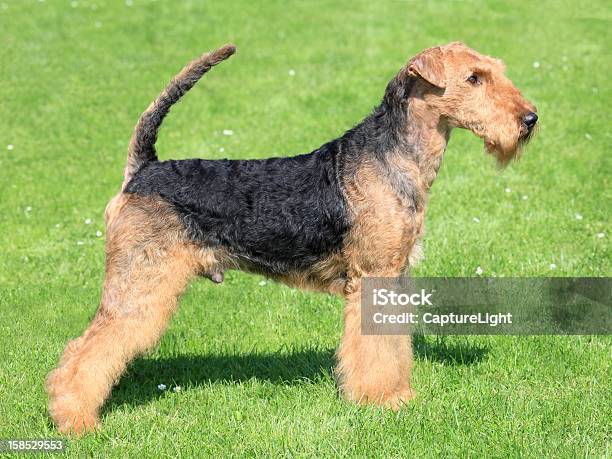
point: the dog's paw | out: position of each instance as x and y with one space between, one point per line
71 416
397 400
393 401
71 423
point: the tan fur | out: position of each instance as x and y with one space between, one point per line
375 369
386 233
372 369
148 266
383 231
328 275
493 113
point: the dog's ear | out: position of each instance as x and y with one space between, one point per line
429 65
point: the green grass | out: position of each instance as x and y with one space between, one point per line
253 362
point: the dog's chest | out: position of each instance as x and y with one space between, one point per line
386 223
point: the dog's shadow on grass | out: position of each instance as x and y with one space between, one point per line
449 352
139 385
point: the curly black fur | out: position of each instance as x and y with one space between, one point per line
280 214
277 214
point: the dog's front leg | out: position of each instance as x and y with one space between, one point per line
372 369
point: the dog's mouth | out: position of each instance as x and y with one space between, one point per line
527 134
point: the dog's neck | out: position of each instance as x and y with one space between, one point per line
407 135
426 135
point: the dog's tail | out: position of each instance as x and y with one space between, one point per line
142 145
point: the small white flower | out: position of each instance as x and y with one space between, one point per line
176 389
601 235
553 266
507 190
588 136
525 197
262 283
476 220
57 225
98 233
28 209
161 386
291 72
79 242
228 132
9 146
88 221
536 65
221 149
578 217
479 271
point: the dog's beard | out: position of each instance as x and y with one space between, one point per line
503 153
508 146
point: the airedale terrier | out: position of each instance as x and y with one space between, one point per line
354 207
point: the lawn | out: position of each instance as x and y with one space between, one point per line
253 358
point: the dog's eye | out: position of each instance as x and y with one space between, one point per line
473 79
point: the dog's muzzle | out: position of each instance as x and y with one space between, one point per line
530 120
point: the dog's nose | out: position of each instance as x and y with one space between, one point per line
530 120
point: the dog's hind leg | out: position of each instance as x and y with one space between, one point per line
148 266
372 369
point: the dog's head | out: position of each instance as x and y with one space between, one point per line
471 91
